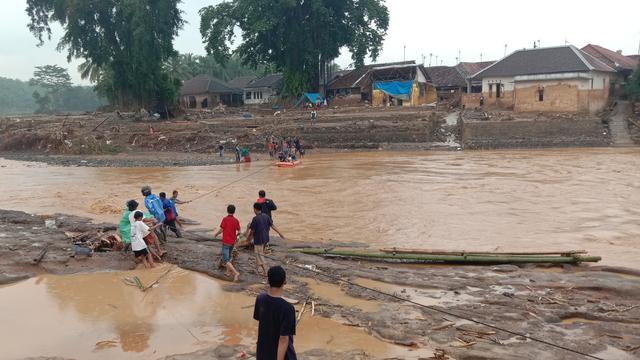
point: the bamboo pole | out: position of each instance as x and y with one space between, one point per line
465 252
455 259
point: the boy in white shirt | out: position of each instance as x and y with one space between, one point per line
138 231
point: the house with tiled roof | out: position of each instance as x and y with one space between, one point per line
204 91
553 79
452 80
263 90
623 65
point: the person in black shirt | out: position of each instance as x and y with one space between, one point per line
276 320
258 234
267 204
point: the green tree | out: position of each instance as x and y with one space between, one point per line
127 40
297 37
633 86
54 80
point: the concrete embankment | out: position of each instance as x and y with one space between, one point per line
532 133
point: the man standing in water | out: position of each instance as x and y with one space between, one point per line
276 320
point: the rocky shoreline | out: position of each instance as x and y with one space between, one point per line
588 308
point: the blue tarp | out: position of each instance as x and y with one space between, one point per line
311 97
397 89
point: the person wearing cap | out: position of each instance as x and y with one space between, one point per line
153 204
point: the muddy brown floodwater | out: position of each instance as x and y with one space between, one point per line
95 316
491 200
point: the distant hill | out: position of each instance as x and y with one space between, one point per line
16 98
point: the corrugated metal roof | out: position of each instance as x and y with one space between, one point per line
354 78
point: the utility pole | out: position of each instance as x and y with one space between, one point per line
459 56
480 57
431 54
505 50
404 56
423 58
436 60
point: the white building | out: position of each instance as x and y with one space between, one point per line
262 91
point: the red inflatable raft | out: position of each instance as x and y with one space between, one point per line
289 164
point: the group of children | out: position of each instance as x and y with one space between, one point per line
257 234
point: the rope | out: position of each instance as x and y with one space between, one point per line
446 312
231 183
428 307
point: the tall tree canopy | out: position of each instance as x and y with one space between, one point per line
297 36
55 80
125 44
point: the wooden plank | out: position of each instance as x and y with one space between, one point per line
466 252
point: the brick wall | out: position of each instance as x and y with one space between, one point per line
534 133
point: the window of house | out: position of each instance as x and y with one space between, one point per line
540 94
192 102
490 90
247 95
260 95
498 90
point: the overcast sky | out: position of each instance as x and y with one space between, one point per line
440 28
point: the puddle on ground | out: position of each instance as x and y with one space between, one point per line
578 320
428 297
334 294
97 316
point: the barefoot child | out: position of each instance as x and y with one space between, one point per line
149 238
139 247
230 229
259 232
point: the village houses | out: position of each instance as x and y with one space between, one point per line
554 79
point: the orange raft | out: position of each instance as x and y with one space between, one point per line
288 164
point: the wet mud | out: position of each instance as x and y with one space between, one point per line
593 309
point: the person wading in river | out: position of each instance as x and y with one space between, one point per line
276 320
259 232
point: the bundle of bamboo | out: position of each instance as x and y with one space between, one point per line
457 257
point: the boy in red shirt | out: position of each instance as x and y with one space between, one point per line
230 229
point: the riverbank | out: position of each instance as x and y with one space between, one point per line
569 306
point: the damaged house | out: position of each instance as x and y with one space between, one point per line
402 84
623 65
204 91
451 81
263 90
553 79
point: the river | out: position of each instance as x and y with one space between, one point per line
551 199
